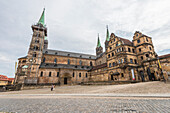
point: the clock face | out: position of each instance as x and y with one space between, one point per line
30 60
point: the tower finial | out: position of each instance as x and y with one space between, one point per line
98 42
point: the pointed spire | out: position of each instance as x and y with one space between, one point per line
107 35
41 20
98 42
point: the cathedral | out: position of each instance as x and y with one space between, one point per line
121 60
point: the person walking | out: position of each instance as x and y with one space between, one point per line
52 88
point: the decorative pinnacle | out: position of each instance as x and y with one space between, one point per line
98 42
107 34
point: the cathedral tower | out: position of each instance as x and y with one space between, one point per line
99 49
38 43
107 38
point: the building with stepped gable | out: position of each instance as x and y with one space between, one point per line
122 60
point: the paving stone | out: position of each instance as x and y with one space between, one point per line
84 105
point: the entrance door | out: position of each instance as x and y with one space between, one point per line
65 80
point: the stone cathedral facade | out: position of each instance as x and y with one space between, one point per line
122 60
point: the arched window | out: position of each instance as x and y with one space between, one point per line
80 62
55 60
68 62
34 55
49 74
129 50
43 59
73 74
41 74
86 75
91 64
35 48
58 74
80 75
131 60
110 65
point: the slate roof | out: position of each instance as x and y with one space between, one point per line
164 56
22 57
65 66
126 41
68 54
99 66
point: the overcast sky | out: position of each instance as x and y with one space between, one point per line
73 25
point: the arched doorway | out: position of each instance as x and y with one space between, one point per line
65 79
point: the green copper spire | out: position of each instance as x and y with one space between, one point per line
41 20
107 35
98 42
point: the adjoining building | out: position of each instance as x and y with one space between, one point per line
4 80
123 60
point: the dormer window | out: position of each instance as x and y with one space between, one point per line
68 55
56 53
46 52
80 56
147 39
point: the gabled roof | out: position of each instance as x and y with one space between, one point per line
126 41
3 77
68 54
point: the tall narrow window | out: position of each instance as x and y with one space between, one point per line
49 74
68 61
55 60
110 65
135 61
122 74
80 75
139 49
73 74
86 75
141 57
91 64
129 50
112 54
131 60
80 62
133 50
114 64
108 55
41 74
58 74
